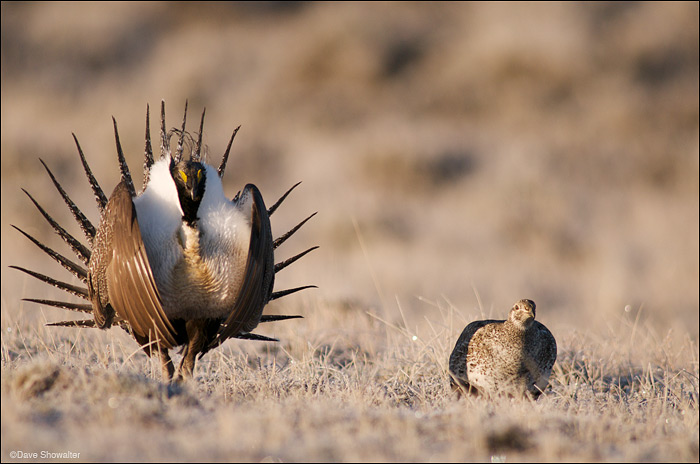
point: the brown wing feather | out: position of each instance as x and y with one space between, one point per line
131 287
259 274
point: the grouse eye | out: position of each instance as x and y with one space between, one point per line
183 176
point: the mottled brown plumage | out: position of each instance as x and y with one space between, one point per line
513 356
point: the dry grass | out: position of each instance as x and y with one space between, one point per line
344 386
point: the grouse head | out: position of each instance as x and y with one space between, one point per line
190 180
523 313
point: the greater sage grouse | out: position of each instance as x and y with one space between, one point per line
177 264
512 357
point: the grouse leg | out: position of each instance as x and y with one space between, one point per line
196 334
167 368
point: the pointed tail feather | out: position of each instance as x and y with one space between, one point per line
252 336
274 207
123 167
178 155
275 318
279 241
72 267
78 248
84 223
222 166
164 143
72 289
148 150
80 307
100 196
283 293
287 262
198 151
89 323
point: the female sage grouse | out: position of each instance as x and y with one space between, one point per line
514 356
178 263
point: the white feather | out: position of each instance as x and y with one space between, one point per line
225 237
160 218
221 239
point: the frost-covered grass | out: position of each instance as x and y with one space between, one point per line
343 386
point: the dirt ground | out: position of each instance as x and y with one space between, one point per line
461 156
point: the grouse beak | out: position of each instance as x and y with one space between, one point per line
194 190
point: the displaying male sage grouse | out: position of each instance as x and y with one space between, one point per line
512 357
177 264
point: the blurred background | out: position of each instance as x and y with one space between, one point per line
460 155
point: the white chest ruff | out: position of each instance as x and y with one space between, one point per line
198 271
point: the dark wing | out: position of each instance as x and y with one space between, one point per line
547 347
259 272
131 287
458 358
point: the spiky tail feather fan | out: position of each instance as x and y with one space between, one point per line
83 252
